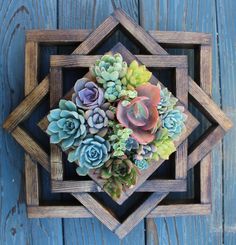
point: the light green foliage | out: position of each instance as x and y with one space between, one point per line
119 137
164 145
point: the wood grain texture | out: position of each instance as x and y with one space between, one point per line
56 92
167 61
227 55
181 156
31 81
90 186
15 18
190 16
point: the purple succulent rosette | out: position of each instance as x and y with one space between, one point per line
88 94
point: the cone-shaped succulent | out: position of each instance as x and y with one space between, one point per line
122 170
92 153
164 145
167 101
109 68
136 75
173 121
66 125
98 118
141 114
87 94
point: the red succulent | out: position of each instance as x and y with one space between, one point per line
141 115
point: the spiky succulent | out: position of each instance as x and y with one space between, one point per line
109 68
66 125
167 101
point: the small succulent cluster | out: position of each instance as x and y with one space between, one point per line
117 122
121 171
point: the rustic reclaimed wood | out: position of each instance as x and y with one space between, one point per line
182 91
56 91
229 124
31 81
174 38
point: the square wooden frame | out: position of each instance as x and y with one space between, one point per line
179 63
199 154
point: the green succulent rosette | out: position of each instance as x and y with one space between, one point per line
167 101
109 68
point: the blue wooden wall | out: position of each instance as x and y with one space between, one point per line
213 16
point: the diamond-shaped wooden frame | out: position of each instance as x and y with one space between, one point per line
200 152
56 81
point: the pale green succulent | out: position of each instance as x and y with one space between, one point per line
173 121
167 101
109 68
164 145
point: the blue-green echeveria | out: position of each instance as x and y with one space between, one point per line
173 121
66 125
167 101
131 144
92 153
141 164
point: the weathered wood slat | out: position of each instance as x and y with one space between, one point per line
181 157
209 106
140 213
31 81
177 38
68 186
97 36
31 147
27 105
56 91
206 85
82 212
97 210
138 33
167 61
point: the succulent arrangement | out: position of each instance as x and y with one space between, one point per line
117 124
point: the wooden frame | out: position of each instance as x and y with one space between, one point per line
180 64
199 153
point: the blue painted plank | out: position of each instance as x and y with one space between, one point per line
189 15
15 18
227 50
89 14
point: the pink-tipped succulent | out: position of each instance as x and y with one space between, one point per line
141 114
